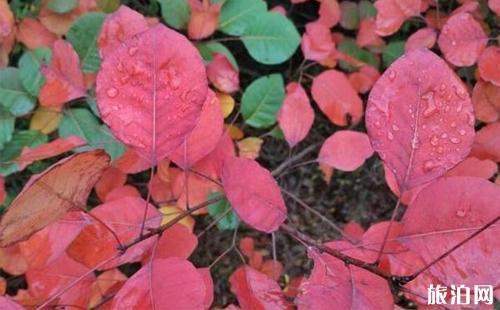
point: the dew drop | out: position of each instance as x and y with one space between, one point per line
392 75
442 86
390 136
428 165
453 42
395 127
444 135
461 213
455 140
434 140
132 50
462 132
440 149
112 92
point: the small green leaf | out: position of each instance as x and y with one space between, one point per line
366 9
262 99
208 49
13 148
62 6
350 15
83 36
216 210
6 127
82 123
271 38
392 51
176 13
237 15
29 69
108 6
13 96
350 47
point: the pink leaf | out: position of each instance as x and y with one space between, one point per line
346 150
254 194
223 75
419 118
329 13
296 115
150 100
317 43
422 38
487 143
473 167
488 65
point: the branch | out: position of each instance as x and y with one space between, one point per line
292 159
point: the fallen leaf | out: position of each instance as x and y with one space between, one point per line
45 120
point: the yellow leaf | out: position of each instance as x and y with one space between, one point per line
171 212
235 133
226 104
250 147
45 120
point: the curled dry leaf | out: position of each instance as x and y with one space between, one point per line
254 194
422 38
296 116
345 150
64 79
119 27
49 195
489 65
152 101
204 137
419 118
336 98
462 40
256 290
222 74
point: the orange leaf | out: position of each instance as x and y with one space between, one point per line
33 34
204 18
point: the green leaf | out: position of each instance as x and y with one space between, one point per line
271 38
82 123
350 47
216 210
208 49
13 148
350 15
62 6
262 99
176 13
366 9
13 96
7 122
29 69
83 36
392 51
236 15
108 6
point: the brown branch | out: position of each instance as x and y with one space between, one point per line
293 159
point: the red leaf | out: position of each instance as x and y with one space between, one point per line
345 150
8 304
459 206
367 35
171 283
48 196
51 149
462 40
317 43
177 241
255 290
197 190
296 115
33 34
336 98
96 243
419 118
122 191
254 194
223 75
350 287
212 164
130 162
363 80
329 13
487 143
204 137
152 101
119 27
64 79
422 38
111 178
204 18
494 6
209 286
390 15
488 65
486 101
473 167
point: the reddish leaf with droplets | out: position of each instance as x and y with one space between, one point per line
350 287
486 101
204 18
64 79
96 243
422 38
296 115
419 118
336 98
345 150
317 43
33 34
462 40
487 143
150 100
49 195
459 206
51 149
118 27
254 194
255 290
222 74
489 65
170 283
204 137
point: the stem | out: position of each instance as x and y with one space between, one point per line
294 158
148 200
387 231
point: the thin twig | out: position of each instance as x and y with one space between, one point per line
294 158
